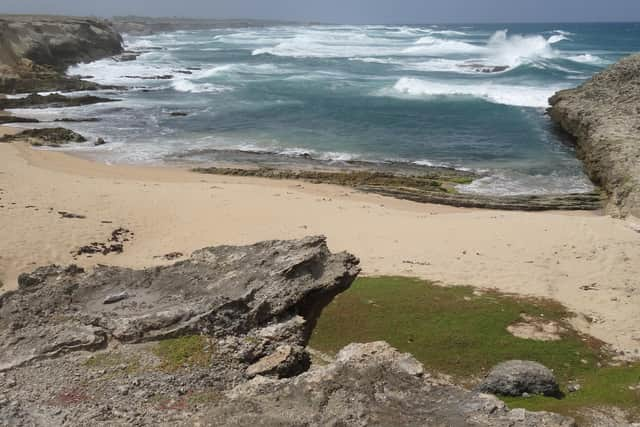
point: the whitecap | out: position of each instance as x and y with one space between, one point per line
521 96
184 85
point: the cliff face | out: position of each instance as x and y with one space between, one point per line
604 116
55 41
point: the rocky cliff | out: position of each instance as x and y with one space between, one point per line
217 339
35 50
604 117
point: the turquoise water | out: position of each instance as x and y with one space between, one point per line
463 96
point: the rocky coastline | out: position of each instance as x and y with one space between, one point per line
603 117
226 329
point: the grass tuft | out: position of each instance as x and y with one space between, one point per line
187 351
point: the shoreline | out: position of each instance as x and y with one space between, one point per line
586 261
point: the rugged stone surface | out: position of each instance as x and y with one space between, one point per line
35 50
436 185
49 137
604 117
219 291
516 377
84 348
367 385
56 41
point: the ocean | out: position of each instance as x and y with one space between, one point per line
471 97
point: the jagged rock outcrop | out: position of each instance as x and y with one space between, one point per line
216 339
35 50
222 291
604 117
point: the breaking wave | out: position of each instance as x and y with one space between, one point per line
520 96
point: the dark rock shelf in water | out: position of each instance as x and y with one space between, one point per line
432 185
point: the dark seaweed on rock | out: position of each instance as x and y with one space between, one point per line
51 137
436 186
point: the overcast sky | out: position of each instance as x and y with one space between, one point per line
348 11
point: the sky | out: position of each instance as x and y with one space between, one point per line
348 11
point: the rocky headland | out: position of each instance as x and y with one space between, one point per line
36 50
603 115
217 339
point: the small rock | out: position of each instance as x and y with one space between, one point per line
285 362
112 299
99 142
572 388
123 390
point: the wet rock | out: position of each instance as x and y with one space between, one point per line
99 142
54 100
50 137
484 68
72 120
161 77
515 377
178 114
4 119
436 185
602 116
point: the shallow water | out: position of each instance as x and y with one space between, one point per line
416 94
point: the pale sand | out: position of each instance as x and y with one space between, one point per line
542 254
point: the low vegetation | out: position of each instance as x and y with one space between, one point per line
176 353
462 333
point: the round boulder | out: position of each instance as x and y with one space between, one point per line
515 377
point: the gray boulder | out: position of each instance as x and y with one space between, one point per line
516 377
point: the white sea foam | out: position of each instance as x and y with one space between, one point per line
512 183
185 85
515 50
522 96
587 58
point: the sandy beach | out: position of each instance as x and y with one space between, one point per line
589 262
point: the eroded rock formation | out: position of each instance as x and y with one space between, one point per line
217 339
604 117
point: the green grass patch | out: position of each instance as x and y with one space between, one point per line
187 351
461 333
